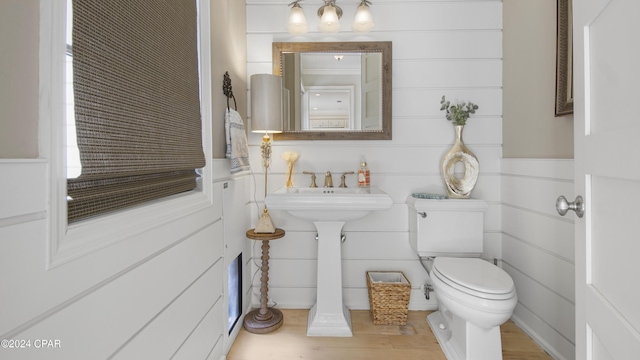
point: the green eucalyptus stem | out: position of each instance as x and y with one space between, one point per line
458 113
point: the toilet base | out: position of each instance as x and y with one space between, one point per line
462 340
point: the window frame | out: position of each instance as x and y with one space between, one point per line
69 242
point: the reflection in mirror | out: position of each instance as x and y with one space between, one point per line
335 90
330 91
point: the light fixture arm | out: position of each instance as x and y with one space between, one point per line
296 4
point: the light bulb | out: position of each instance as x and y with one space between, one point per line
297 21
363 21
329 22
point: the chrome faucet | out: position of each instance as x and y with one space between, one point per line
328 180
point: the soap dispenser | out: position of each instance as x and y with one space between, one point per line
363 175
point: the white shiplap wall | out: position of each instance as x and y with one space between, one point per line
538 250
451 48
153 295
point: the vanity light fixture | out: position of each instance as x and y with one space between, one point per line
329 15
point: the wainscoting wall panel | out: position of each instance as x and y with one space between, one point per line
537 248
236 223
207 333
157 293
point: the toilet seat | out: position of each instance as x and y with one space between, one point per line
475 277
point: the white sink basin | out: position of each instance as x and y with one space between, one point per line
329 209
329 204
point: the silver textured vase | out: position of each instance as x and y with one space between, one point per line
459 187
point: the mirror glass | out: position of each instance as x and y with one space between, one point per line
335 91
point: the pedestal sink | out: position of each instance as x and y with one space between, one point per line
329 209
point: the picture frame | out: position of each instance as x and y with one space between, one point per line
564 58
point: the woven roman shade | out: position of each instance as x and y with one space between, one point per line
137 103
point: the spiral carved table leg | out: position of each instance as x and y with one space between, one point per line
264 319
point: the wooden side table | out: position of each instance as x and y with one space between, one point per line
264 319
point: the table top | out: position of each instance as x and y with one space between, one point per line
254 236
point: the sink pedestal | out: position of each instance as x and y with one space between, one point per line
329 316
329 209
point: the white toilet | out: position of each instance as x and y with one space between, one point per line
474 296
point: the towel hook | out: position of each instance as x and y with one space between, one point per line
227 90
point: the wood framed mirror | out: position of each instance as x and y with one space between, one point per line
335 90
564 58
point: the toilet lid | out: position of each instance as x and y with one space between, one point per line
475 274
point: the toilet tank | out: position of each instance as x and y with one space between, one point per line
448 227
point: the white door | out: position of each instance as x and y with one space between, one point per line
607 174
371 80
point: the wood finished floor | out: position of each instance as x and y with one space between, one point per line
371 342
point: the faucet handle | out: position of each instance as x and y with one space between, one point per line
313 178
344 177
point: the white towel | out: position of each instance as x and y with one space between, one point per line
237 147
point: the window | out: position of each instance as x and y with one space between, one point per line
73 155
71 241
137 103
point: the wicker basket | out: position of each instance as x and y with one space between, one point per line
389 293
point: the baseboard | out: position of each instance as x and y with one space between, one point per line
537 339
